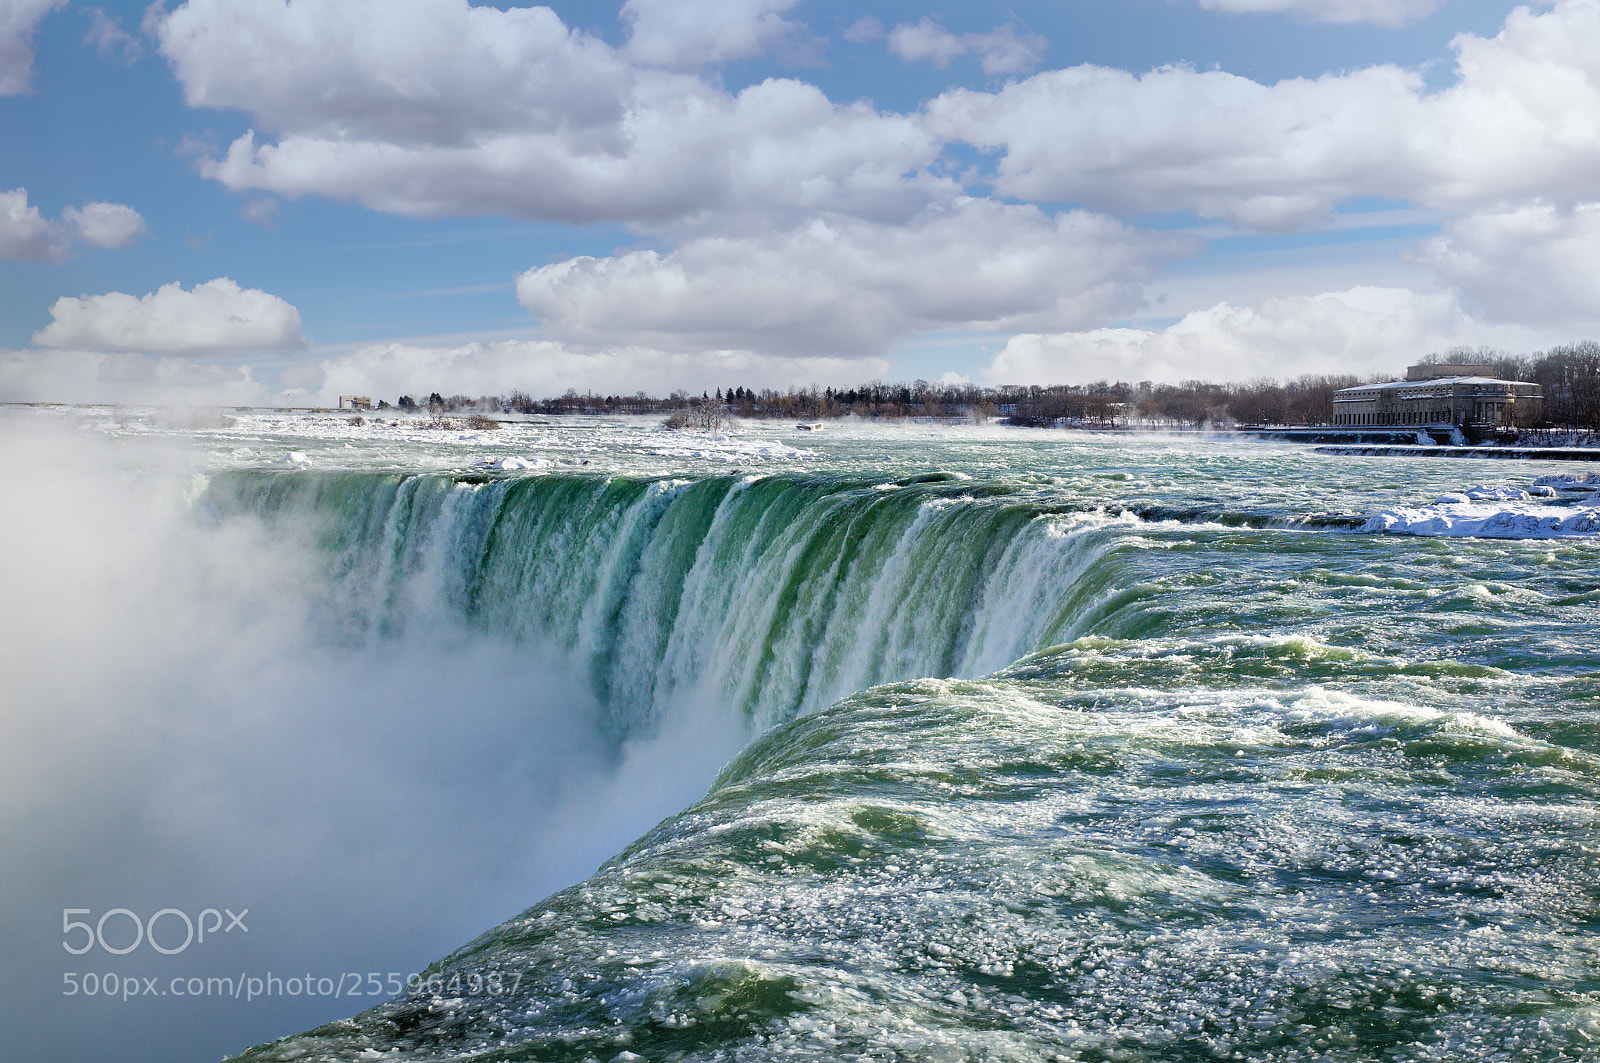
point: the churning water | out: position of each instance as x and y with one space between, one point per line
1053 747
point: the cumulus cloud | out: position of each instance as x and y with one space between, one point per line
1174 139
1531 262
431 107
848 288
19 19
28 235
110 225
439 108
1008 49
777 149
925 42
1379 12
1521 120
689 33
1360 331
215 316
400 72
24 232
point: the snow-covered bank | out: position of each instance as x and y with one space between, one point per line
1503 512
1570 482
1506 520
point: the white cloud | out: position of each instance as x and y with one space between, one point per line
689 33
19 19
110 39
1177 139
864 29
1007 49
777 149
431 107
926 42
439 108
95 376
1360 331
215 316
1522 120
542 367
1379 12
389 370
1527 263
848 288
400 72
109 225
26 234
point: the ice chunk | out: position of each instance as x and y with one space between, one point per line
1497 494
512 463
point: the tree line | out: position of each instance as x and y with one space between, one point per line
1569 374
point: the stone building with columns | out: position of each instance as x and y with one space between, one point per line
1439 396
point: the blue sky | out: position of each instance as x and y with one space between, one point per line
779 191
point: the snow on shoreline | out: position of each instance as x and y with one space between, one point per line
1502 512
325 439
1570 482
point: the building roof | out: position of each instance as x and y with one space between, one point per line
1435 382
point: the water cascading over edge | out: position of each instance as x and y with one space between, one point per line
777 595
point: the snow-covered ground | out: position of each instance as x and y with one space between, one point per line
326 440
1573 510
1570 482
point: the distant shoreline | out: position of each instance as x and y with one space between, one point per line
1375 441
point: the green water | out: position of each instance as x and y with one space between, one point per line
1062 748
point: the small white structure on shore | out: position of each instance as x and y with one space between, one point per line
354 402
